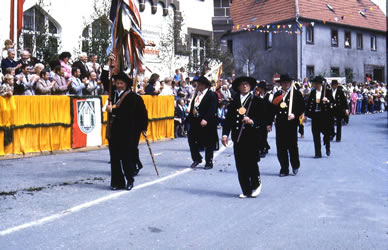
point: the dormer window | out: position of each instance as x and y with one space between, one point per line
330 7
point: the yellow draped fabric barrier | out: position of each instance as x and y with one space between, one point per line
30 124
36 124
160 114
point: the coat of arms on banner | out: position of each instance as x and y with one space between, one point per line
86 115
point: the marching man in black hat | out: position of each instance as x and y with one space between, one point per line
266 97
340 109
245 113
203 123
128 116
319 109
288 105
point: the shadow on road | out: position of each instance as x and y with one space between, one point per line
102 162
202 192
180 166
97 186
176 149
304 140
269 174
90 172
306 156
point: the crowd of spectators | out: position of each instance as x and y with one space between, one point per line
183 88
368 98
27 76
363 98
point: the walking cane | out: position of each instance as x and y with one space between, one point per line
152 155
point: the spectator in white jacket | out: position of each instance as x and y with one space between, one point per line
76 85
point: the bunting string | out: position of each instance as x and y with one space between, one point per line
295 28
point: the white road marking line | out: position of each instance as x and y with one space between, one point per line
69 211
157 154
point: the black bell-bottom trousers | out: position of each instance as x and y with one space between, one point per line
287 146
319 124
246 158
122 165
338 124
195 148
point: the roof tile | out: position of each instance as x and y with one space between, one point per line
346 12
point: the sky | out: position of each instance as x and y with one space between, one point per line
382 4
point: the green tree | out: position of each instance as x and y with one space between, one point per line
248 59
171 45
216 55
96 36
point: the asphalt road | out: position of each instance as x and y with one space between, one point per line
338 202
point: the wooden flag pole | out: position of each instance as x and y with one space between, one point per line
112 70
291 99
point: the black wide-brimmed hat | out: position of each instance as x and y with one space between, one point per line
204 80
285 78
262 84
237 81
123 77
318 79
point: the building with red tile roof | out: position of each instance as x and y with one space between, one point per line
341 12
345 38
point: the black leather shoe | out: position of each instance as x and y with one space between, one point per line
209 166
317 156
295 171
115 188
338 140
283 175
129 187
328 152
195 164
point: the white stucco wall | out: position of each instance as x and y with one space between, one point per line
72 20
4 22
323 56
197 14
155 29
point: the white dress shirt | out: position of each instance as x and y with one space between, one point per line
334 92
243 98
199 97
318 95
